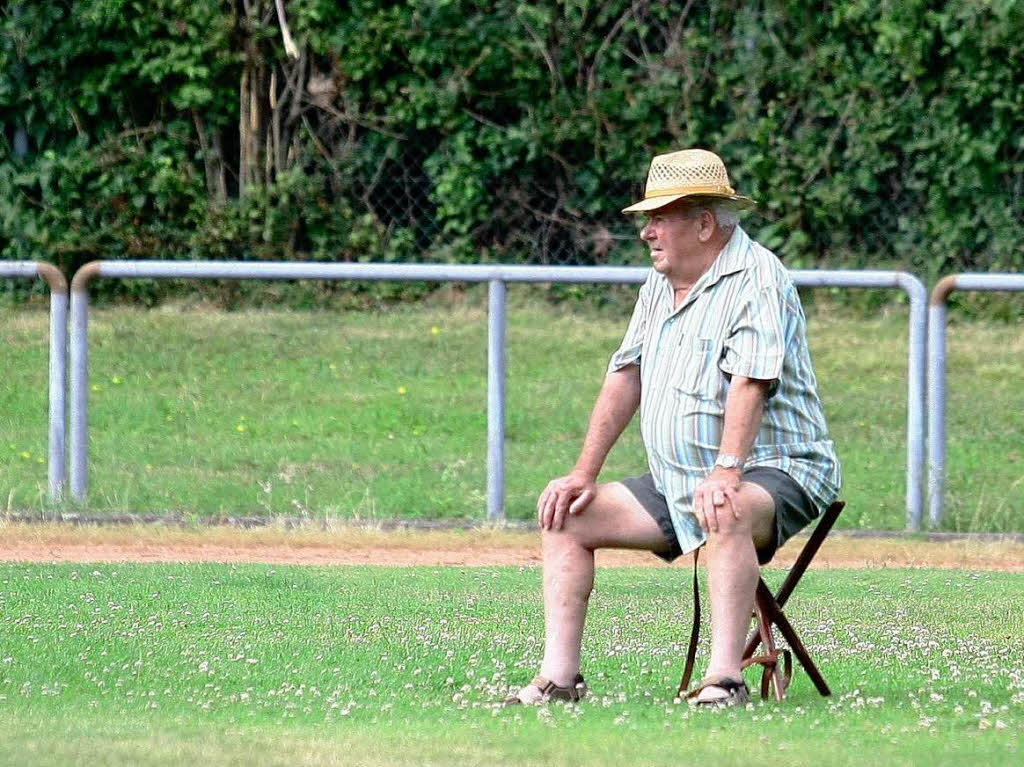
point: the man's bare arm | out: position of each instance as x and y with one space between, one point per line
744 410
613 410
617 402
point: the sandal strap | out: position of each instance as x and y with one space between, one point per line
731 686
552 691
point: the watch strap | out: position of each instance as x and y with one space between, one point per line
727 461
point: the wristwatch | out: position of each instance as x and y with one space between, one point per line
727 461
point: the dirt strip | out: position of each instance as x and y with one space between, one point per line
461 548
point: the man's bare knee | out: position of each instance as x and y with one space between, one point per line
569 534
750 515
614 519
729 528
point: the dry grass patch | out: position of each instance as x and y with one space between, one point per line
485 546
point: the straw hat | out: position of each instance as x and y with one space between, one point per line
689 173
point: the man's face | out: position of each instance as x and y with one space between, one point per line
673 234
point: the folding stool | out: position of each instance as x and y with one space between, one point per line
768 611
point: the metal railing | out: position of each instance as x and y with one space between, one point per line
916 354
937 375
52 276
497 276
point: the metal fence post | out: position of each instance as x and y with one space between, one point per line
915 363
937 403
57 468
58 285
916 384
80 380
495 400
937 375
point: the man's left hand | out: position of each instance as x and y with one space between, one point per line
716 496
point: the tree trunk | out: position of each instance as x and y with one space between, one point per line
270 97
243 133
253 104
213 162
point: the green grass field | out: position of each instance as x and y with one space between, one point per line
221 664
376 415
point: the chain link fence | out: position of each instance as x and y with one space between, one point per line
531 224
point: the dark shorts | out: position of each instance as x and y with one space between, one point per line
794 510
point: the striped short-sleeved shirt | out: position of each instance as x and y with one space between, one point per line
742 317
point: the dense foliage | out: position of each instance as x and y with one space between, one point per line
875 132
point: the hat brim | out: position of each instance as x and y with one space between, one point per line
737 201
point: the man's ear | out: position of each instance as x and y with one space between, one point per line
707 226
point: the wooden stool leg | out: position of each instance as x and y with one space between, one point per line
771 669
775 615
797 571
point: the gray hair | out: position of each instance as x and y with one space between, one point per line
725 214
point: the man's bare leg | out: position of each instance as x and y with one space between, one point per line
568 581
614 519
732 579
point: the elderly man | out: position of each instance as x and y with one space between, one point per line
715 356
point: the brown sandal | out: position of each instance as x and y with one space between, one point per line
550 691
738 694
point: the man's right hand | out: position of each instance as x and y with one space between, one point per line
566 495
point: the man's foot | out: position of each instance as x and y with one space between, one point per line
720 692
542 690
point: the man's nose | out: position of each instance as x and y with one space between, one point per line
647 233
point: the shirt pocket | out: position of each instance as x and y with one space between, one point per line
699 385
699 417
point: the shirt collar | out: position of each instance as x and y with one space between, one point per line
732 258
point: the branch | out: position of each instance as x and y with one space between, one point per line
290 47
359 120
556 76
316 141
830 144
486 121
608 39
